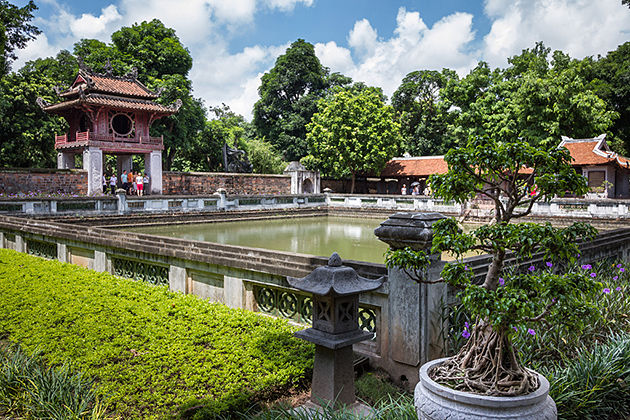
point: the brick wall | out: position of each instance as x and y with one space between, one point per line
69 181
174 183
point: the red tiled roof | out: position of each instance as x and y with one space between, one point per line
418 166
129 104
583 153
109 84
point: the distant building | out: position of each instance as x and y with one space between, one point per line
608 174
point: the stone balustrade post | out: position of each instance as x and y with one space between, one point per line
416 324
222 203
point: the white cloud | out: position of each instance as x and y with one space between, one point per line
577 27
363 37
287 5
414 46
220 77
90 26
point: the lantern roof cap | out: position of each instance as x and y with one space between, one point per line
335 279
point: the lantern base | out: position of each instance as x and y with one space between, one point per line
333 341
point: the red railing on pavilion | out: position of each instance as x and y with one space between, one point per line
85 136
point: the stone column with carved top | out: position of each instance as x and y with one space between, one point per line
335 289
416 325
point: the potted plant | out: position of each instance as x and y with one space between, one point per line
485 379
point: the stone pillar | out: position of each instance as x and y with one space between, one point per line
20 243
153 168
122 203
100 261
65 160
123 163
93 164
233 292
415 309
177 279
62 252
2 243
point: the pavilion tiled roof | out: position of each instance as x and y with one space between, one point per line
129 104
108 84
415 166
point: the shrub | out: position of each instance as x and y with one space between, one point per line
150 350
28 388
596 385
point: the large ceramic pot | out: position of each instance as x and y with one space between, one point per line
437 402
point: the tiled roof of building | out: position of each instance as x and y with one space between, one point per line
593 151
124 86
415 166
129 104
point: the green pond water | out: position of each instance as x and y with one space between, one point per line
351 238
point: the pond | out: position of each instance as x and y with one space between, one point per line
352 238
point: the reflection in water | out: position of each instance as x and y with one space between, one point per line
352 238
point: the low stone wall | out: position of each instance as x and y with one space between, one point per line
208 183
48 181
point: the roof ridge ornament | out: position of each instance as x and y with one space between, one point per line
109 70
42 102
175 107
131 75
82 66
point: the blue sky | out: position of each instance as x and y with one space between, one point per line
233 42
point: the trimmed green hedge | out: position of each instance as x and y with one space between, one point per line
150 350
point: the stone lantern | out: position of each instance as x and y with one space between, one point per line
335 290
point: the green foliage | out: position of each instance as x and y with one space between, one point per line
15 31
596 384
424 113
26 132
288 98
30 389
535 99
264 157
150 350
352 133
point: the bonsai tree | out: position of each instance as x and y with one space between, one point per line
514 176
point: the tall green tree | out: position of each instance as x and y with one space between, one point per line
26 132
352 133
611 82
535 98
424 113
15 31
288 98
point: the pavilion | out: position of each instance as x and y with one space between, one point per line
112 115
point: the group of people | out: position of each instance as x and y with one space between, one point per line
415 190
130 182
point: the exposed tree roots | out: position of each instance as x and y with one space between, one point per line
487 364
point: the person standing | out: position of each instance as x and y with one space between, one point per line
104 184
145 182
124 181
112 183
403 190
139 184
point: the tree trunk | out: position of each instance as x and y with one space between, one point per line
352 185
492 277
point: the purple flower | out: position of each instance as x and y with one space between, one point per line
618 265
531 268
553 300
466 325
622 269
616 278
606 290
618 288
586 267
515 329
531 332
579 255
549 264
465 334
593 275
501 281
466 268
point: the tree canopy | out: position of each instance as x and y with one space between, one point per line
288 98
353 132
15 31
